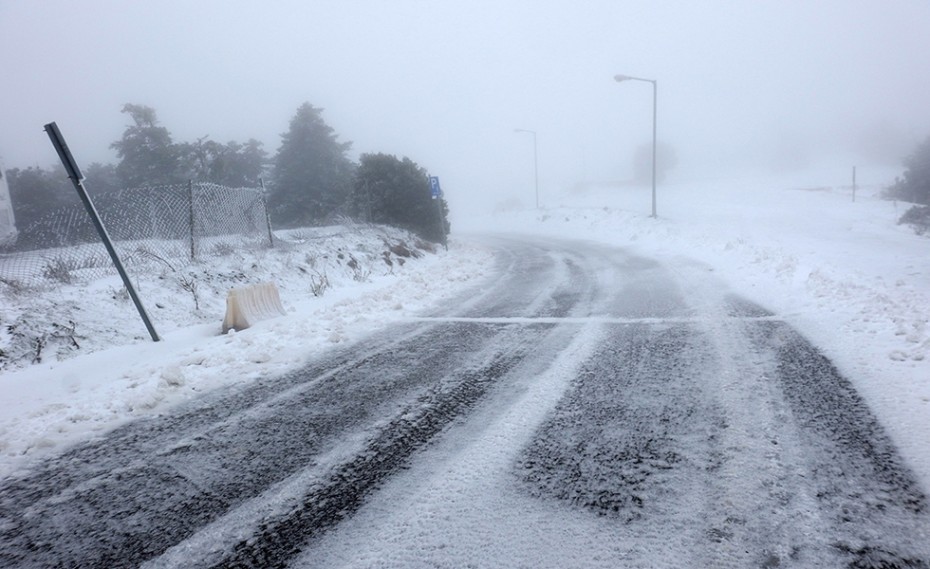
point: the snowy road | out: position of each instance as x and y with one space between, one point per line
590 409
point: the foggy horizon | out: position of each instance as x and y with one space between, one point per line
771 86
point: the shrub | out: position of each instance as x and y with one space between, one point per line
397 192
919 218
914 187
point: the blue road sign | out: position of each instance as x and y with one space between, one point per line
434 187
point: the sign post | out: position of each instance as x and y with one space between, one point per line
436 194
74 173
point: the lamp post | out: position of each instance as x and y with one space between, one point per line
655 89
535 162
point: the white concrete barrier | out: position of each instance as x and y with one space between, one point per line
247 305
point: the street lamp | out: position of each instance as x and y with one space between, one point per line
655 89
535 161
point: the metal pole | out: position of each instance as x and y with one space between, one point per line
655 112
442 224
655 99
436 196
535 162
854 183
536 170
74 173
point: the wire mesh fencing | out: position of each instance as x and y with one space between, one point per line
150 227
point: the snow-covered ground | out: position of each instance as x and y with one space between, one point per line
842 272
118 373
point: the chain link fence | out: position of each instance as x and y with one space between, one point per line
150 227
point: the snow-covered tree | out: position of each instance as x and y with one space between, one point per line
232 164
146 152
312 175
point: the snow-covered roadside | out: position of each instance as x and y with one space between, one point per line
118 374
842 272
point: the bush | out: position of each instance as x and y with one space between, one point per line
919 218
914 187
396 192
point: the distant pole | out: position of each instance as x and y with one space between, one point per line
536 170
436 195
442 224
74 173
535 162
655 107
854 184
655 102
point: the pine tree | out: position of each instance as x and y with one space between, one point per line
312 176
147 155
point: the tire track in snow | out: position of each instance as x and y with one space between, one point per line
150 485
135 506
728 442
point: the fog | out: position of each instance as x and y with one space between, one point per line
742 86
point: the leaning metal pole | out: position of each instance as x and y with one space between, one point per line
74 173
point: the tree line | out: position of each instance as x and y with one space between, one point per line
310 180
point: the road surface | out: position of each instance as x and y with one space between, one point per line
586 408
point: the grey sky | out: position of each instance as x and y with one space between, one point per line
742 84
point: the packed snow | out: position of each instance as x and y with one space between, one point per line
842 272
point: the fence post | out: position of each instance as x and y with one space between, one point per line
190 203
261 182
